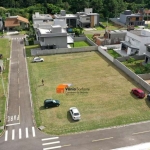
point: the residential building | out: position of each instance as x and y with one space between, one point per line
135 42
16 21
87 18
71 19
54 37
1 23
41 20
110 37
128 18
147 55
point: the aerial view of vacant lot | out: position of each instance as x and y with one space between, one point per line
108 101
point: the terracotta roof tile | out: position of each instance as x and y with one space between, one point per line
15 21
11 22
22 19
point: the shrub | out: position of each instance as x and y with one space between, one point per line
139 71
131 60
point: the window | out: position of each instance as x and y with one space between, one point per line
148 49
137 18
87 18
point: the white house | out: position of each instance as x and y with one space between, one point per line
135 42
41 20
54 37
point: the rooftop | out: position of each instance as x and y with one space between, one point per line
141 32
66 16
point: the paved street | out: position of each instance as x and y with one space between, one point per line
21 133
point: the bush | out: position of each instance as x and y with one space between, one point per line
139 71
131 60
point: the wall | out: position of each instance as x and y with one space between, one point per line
60 42
145 76
117 62
36 52
123 18
135 77
102 51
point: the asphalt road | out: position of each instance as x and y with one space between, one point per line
21 133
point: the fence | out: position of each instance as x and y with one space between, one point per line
35 52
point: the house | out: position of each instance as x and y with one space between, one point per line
135 42
41 20
16 21
147 54
145 13
1 23
71 19
87 18
128 18
54 37
110 37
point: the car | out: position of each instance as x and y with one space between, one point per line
148 96
51 103
38 59
138 92
75 114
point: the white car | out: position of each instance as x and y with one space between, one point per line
38 59
75 114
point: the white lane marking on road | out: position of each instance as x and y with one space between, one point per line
52 147
27 134
50 138
11 118
20 134
141 132
14 117
12 124
33 131
13 134
102 139
51 143
6 135
18 118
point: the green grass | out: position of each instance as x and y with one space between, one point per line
5 50
113 53
111 26
108 102
136 65
90 36
81 44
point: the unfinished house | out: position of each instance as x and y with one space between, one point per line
87 18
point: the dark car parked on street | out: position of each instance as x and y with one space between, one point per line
51 103
138 92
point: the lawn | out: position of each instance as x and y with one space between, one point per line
107 103
5 51
81 44
109 25
137 67
113 53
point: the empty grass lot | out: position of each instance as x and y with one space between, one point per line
108 103
5 51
